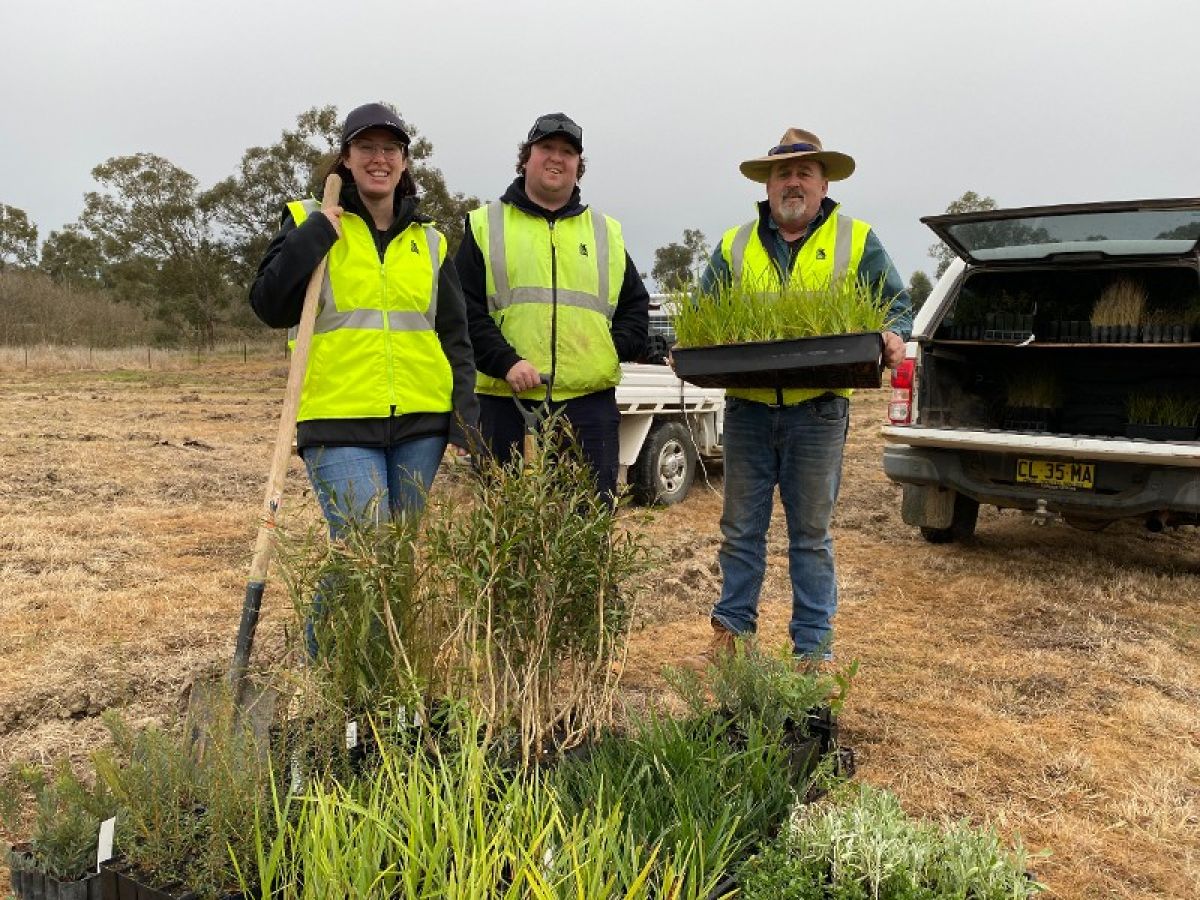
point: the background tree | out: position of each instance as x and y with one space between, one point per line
73 259
18 238
675 265
247 207
919 288
968 202
158 247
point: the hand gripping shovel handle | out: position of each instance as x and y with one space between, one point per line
533 418
263 545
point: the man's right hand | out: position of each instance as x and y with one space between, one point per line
523 376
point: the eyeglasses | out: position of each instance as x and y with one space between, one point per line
792 148
547 125
369 149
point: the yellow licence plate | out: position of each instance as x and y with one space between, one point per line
1056 474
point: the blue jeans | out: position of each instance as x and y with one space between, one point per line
371 484
798 448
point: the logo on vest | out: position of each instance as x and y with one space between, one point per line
583 249
412 245
820 253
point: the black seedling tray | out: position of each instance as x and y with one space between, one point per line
828 361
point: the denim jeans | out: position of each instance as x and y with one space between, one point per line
798 448
595 421
369 484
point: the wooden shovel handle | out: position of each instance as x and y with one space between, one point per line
263 545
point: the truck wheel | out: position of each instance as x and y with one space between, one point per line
663 471
962 524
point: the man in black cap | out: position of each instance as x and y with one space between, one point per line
552 296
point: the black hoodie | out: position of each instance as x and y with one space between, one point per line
493 354
277 297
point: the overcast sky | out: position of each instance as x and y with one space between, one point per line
1028 101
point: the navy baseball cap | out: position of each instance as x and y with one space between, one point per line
372 115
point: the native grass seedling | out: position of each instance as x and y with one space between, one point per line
860 845
1122 303
453 823
748 311
1177 410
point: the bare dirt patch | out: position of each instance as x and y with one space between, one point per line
1040 678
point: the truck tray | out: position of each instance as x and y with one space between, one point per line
828 361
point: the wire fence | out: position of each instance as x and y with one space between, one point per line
48 357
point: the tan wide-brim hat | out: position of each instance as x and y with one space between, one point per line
798 143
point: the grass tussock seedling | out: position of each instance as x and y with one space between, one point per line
532 568
693 787
1177 410
745 311
1122 303
860 845
452 823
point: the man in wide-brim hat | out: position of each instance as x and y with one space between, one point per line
792 438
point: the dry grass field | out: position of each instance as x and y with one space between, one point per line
1041 679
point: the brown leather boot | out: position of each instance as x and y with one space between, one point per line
723 641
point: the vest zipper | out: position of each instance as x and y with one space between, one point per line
387 339
553 304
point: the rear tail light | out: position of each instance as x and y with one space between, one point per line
900 407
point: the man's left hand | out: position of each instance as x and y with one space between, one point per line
893 349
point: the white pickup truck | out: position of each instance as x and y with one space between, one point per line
1055 368
667 425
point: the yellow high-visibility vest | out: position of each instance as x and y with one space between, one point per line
575 264
374 349
833 251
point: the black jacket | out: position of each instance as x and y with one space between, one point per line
493 354
277 297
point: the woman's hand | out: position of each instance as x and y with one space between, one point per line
334 215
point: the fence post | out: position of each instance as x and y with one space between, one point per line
243 352
148 358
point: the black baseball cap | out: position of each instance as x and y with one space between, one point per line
556 123
372 115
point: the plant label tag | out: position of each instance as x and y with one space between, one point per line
402 716
297 782
418 719
104 846
351 735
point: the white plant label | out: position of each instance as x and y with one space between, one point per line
104 846
351 735
297 781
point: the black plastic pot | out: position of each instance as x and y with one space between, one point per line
829 361
1161 432
1028 418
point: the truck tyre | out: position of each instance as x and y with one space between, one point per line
663 471
962 525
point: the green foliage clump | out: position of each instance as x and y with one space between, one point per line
187 806
1029 388
743 312
454 823
861 846
751 685
1178 410
700 788
67 817
532 568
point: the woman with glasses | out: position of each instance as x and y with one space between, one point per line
390 374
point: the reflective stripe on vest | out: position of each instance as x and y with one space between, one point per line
578 263
833 251
375 350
